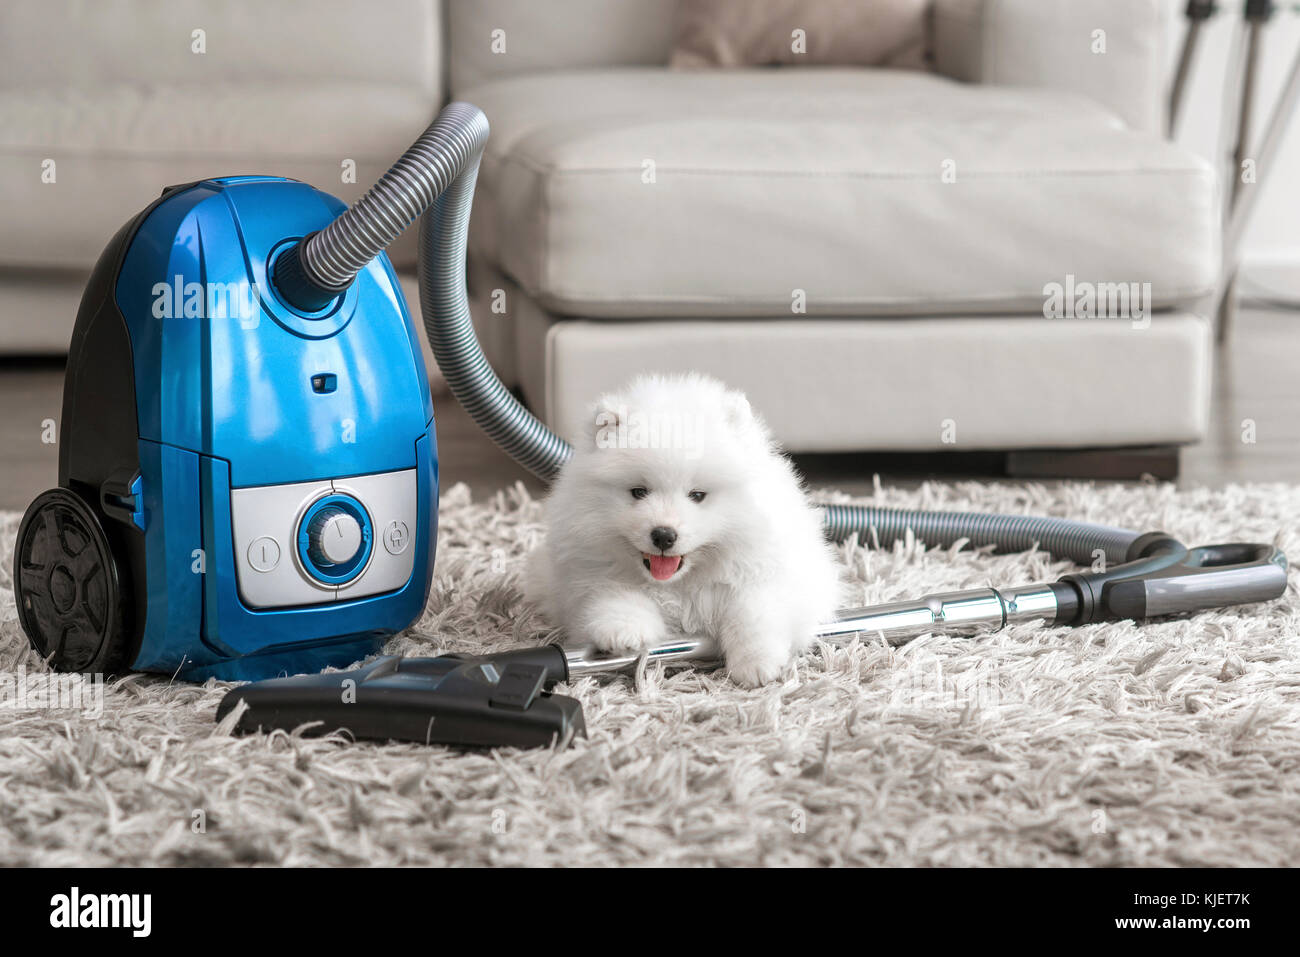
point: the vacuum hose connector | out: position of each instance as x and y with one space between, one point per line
318 269
436 177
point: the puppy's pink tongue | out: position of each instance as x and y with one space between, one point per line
663 567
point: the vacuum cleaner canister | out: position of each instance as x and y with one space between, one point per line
246 487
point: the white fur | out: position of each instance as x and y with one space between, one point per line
757 574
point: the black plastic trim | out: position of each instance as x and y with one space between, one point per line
99 438
295 286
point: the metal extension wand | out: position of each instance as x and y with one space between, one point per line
964 613
1164 577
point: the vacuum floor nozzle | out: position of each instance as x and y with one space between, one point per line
499 700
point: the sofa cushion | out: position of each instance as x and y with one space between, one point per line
90 43
648 192
116 147
907 384
492 39
734 33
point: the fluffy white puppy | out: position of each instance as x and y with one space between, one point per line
677 515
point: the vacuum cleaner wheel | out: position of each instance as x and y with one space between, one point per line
67 586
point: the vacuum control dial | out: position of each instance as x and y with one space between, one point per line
333 537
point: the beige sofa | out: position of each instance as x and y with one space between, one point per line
866 252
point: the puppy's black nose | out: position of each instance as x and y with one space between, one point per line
663 537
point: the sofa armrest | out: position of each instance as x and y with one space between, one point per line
1055 43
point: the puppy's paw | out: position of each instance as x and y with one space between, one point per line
757 665
630 628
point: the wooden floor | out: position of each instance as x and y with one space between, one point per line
1257 377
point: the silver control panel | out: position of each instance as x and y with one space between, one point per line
268 521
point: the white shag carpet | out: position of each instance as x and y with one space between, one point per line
1169 743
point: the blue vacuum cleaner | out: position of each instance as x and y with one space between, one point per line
248 473
248 476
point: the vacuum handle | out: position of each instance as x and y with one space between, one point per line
1209 576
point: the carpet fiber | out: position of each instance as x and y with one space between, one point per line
1173 743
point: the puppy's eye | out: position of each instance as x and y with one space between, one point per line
640 492
697 496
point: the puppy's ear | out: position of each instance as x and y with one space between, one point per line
737 410
743 421
603 422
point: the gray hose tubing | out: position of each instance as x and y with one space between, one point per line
445 155
436 177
